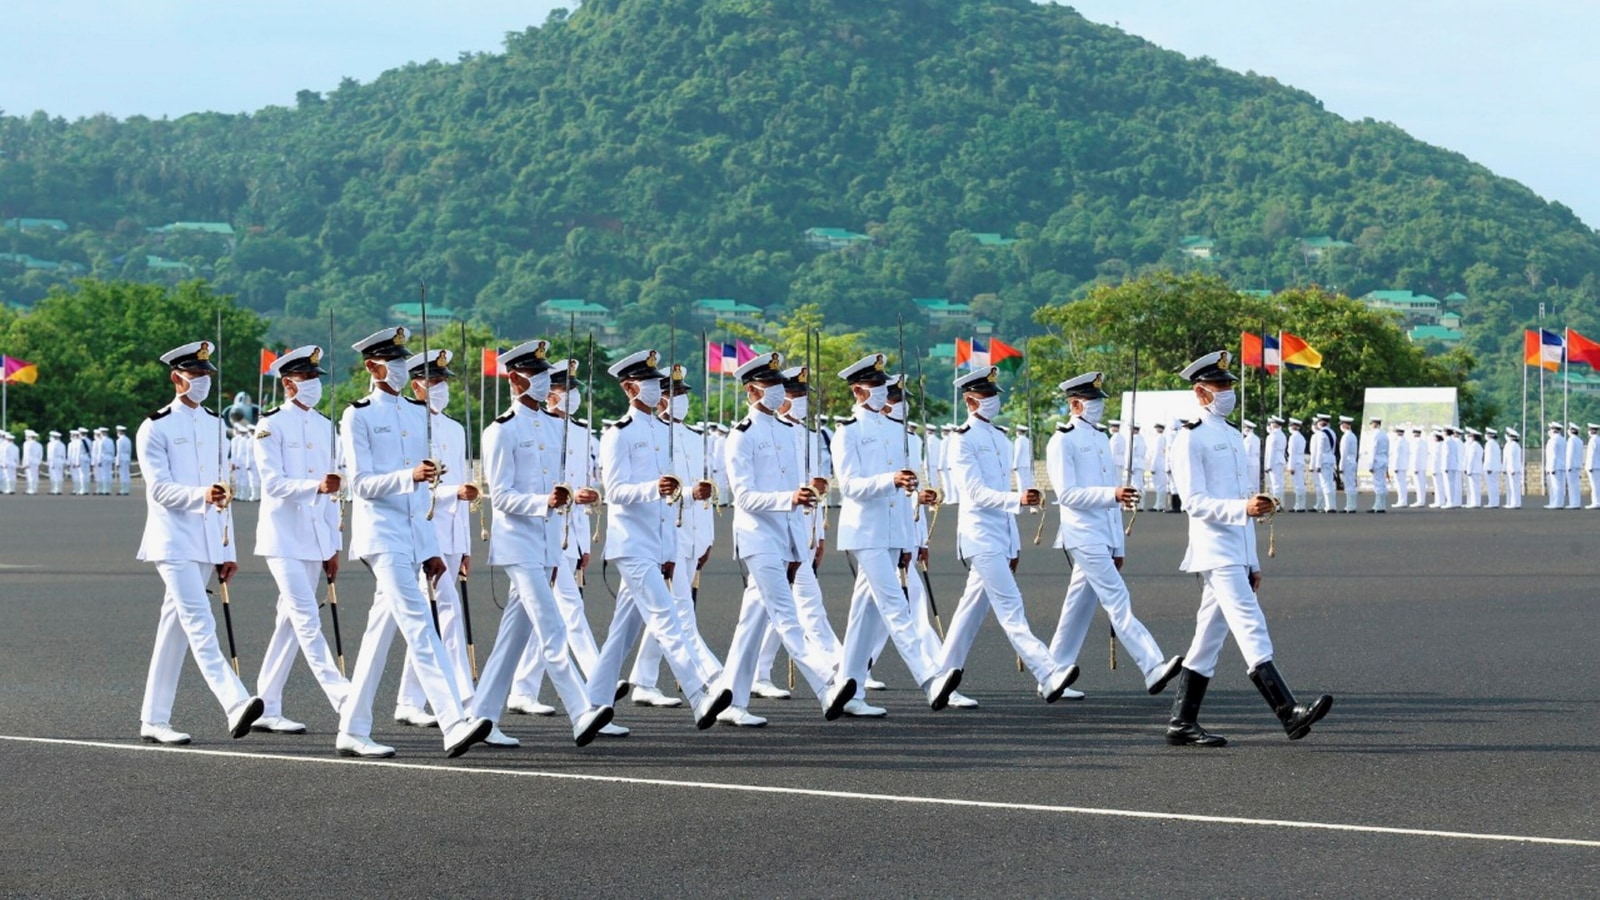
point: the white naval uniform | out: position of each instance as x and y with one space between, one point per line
808 597
1493 465
1021 461
761 461
1420 451
297 530
1350 467
183 536
32 459
452 528
1157 463
875 528
986 537
1297 466
1141 464
915 589
10 457
55 461
1514 473
1375 455
1084 478
1323 457
1574 471
1214 478
383 439
1474 470
1399 467
75 448
1591 464
640 539
105 453
1277 459
1252 450
83 476
1450 462
1555 476
522 465
124 464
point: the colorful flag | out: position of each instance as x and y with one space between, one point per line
1296 352
1542 348
713 358
1582 350
1004 355
1260 351
18 371
1271 355
490 362
267 359
963 352
742 353
976 355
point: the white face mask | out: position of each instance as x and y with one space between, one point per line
439 396
798 407
1222 403
1092 411
877 396
649 393
680 407
394 377
308 393
199 388
989 407
572 400
772 397
897 410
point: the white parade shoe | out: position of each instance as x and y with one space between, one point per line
498 738
861 709
649 696
959 700
411 715
162 733
940 687
742 718
613 730
716 700
1056 687
1156 681
590 723
873 684
243 716
766 690
460 737
278 725
529 706
361 745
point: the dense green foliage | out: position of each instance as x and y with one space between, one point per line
646 153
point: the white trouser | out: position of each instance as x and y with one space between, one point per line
645 604
647 662
1352 489
33 481
1325 490
1227 604
1397 478
398 603
531 618
1158 484
452 633
56 478
8 481
1137 476
1297 480
1574 488
1419 486
1095 577
581 646
1275 481
990 583
1491 488
186 621
102 479
1594 492
1441 489
298 627
917 596
1380 489
768 597
1473 498
125 478
1513 490
879 601
1555 491
808 601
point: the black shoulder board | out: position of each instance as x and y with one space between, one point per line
1065 427
549 412
412 400
583 422
849 421
963 429
506 418
272 412
209 411
694 429
1193 423
785 423
896 421
623 422
361 404
161 413
744 424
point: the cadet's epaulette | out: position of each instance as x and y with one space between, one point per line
623 422
1065 427
551 413
413 401
1193 423
785 423
694 429
506 418
1102 429
583 422
161 413
271 412
209 411
963 429
361 404
896 421
744 424
844 422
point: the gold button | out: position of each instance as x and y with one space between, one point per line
404 433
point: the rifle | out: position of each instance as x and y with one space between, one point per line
333 457
566 436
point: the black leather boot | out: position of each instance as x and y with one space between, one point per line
1184 730
1297 718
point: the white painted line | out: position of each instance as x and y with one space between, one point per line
444 768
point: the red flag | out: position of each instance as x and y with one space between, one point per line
1582 350
1296 352
267 359
1000 352
1250 350
963 352
491 362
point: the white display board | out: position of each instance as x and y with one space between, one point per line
1425 406
1158 406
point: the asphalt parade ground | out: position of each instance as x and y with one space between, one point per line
1460 757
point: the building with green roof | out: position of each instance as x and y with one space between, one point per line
940 311
834 238
725 310
1415 308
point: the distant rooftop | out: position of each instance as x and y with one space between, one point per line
990 239
26 224
222 228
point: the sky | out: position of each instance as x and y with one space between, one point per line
1514 86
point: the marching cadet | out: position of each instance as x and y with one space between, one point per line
453 492
1324 457
1375 455
1277 456
1252 441
298 532
124 461
694 530
986 537
104 453
32 458
521 462
1022 458
1296 465
1513 469
563 402
1157 464
1084 478
1141 460
1399 464
1214 478
10 456
83 477
1574 467
75 451
1493 465
641 492
186 519
385 452
1419 451
55 461
1349 457
877 487
1474 471
1555 464
946 433
768 494
719 473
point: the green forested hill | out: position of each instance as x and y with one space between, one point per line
643 154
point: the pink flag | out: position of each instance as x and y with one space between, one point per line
713 358
743 351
